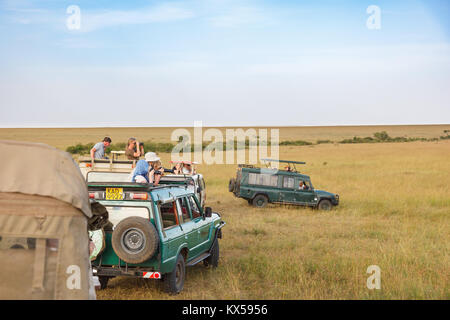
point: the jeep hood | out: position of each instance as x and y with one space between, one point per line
324 194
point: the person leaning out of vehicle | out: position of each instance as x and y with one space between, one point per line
303 186
148 170
140 173
134 149
156 168
98 150
183 168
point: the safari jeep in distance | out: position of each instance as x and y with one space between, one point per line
154 232
260 186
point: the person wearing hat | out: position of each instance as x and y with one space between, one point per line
156 170
140 173
148 169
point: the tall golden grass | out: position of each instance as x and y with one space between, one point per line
394 213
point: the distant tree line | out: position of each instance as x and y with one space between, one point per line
167 147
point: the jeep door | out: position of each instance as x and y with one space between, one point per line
304 196
287 190
188 225
173 235
202 225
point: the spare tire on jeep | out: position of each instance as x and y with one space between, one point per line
135 240
231 184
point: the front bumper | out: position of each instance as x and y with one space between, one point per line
335 200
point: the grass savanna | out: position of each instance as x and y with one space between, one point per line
64 137
378 137
394 213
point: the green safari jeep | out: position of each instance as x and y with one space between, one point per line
153 232
259 186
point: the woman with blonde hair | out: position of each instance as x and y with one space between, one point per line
134 149
156 169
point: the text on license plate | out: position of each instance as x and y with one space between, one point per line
114 193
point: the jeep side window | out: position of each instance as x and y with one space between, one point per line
288 182
169 214
308 185
195 210
304 185
184 209
263 179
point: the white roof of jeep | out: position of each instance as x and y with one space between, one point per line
114 176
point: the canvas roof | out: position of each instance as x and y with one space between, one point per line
39 169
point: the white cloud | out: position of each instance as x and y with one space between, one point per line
239 16
163 13
26 13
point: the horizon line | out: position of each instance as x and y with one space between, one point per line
223 126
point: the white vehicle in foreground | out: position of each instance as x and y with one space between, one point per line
112 170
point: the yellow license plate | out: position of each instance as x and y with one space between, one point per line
114 194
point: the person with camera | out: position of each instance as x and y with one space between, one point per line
148 170
156 169
134 149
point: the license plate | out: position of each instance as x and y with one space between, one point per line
114 193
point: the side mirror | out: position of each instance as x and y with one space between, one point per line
208 212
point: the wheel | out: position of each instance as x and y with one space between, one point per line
231 184
135 240
174 281
213 259
260 201
103 281
325 205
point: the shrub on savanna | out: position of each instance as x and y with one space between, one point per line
358 140
167 147
83 149
295 143
80 148
324 141
164 147
383 136
447 136
148 146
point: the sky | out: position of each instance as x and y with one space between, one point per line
223 62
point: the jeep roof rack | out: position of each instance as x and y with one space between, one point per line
286 161
289 162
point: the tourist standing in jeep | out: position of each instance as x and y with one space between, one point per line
134 149
98 150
